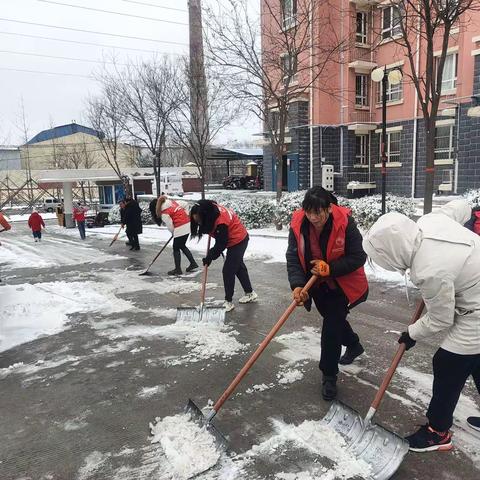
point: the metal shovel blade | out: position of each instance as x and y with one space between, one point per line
380 448
198 417
204 314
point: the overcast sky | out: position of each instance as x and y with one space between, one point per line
54 99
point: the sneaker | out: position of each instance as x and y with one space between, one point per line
228 306
248 297
36 240
351 354
474 422
175 271
329 387
426 439
191 267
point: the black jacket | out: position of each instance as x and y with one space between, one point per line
353 259
133 217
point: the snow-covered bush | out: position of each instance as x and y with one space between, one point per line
253 211
473 197
114 214
288 204
367 210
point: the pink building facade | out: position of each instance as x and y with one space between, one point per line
344 130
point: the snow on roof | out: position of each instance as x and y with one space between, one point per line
248 152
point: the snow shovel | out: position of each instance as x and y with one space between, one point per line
146 272
380 448
202 313
206 421
115 237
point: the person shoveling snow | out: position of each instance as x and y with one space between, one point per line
444 260
189 448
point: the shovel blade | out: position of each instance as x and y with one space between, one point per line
146 272
380 448
198 417
213 315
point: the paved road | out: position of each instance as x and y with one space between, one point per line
80 405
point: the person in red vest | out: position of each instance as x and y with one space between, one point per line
325 241
35 222
79 217
178 223
207 217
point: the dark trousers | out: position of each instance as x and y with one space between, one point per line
133 238
81 229
234 266
179 244
336 331
450 373
37 234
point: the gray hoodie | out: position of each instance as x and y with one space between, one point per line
444 262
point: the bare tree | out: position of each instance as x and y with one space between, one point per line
204 109
275 61
426 27
105 116
147 102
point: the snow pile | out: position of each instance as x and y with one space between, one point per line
300 345
189 448
289 375
29 311
472 197
147 392
315 438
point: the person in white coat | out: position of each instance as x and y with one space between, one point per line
444 262
177 221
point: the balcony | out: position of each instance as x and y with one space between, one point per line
362 59
361 121
358 181
365 3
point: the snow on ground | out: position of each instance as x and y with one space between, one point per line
29 311
188 447
20 251
418 387
25 216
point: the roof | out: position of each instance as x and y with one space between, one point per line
248 152
63 131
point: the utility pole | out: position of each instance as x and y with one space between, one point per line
198 87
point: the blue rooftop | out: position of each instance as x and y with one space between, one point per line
63 131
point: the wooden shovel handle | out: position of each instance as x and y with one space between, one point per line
115 237
226 394
205 273
396 360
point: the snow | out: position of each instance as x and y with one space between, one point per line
189 448
24 217
147 392
30 311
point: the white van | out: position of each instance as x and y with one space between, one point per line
170 184
50 204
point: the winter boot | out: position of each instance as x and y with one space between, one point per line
474 422
177 259
351 354
329 387
248 297
426 439
228 306
193 266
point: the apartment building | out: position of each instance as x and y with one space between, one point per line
344 130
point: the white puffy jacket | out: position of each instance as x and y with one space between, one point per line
444 262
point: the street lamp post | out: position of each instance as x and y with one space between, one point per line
394 77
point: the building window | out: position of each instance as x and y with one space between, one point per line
391 22
449 77
444 142
275 121
289 13
289 68
361 90
392 147
394 92
362 28
361 149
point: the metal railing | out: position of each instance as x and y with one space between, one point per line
361 116
364 54
360 181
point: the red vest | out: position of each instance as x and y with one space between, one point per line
4 223
354 284
236 231
177 214
476 224
79 214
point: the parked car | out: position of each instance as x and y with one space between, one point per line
99 220
237 182
50 204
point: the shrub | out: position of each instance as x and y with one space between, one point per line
114 214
